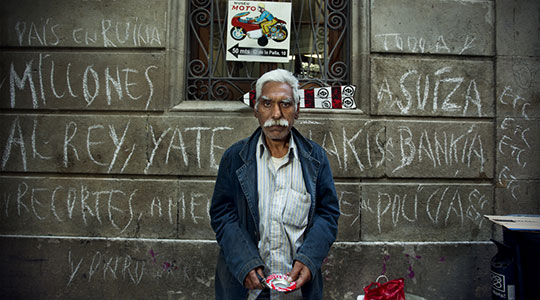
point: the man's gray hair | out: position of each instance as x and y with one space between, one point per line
277 75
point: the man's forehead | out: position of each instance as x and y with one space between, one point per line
278 98
276 85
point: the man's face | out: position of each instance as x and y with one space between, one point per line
276 112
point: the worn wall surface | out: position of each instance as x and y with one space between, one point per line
107 173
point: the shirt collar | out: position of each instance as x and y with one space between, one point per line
261 147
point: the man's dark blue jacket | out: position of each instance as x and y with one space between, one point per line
234 215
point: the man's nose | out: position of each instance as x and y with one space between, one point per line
276 111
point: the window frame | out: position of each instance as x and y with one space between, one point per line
177 60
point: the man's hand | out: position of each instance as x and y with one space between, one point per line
300 273
252 282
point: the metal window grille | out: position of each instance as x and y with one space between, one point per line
319 54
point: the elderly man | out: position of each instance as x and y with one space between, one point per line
274 207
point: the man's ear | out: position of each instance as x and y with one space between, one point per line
297 112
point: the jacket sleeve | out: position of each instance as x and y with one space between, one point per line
323 231
239 250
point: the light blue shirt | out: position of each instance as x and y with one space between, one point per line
284 204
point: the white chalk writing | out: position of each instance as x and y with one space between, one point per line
119 207
394 42
114 146
103 266
111 146
441 148
106 33
444 92
446 206
515 142
462 147
60 82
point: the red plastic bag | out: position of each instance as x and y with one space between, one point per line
390 290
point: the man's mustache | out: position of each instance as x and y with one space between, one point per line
279 122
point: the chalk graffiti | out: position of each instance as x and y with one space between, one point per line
107 33
82 84
111 147
424 92
447 206
456 207
119 267
348 152
103 266
177 134
515 142
441 148
116 147
116 206
517 103
393 42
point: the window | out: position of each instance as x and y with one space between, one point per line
319 51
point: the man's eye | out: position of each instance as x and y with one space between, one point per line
285 104
267 104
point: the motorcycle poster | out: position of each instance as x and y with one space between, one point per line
258 31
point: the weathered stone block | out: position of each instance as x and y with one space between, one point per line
192 145
194 203
115 144
439 27
174 145
432 87
426 212
61 23
517 28
106 207
106 269
130 268
85 81
430 270
349 195
518 149
518 121
518 87
517 196
355 147
147 208
433 149
73 144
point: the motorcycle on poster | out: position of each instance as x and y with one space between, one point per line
258 31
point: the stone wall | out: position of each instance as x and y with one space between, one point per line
107 173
